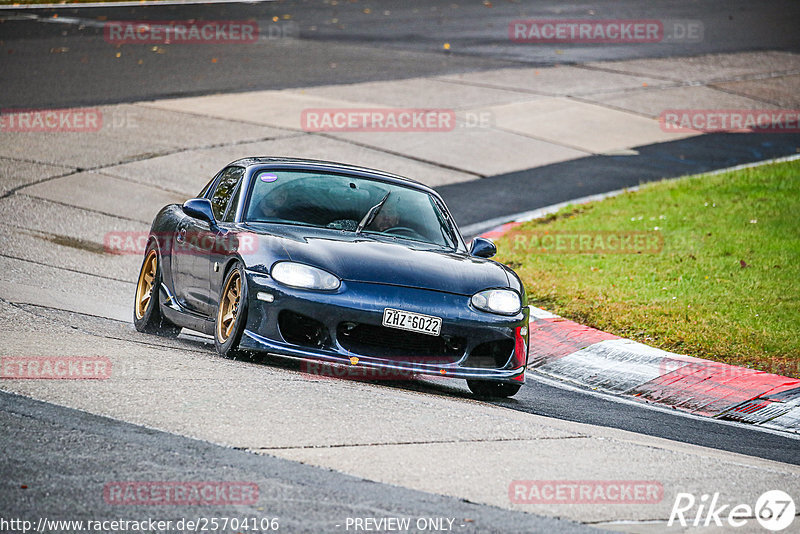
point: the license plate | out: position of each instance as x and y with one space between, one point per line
415 322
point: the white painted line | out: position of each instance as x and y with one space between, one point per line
130 4
618 366
614 365
751 165
91 23
544 378
538 313
790 419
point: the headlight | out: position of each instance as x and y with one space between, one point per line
502 301
304 276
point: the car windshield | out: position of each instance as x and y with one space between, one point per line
341 202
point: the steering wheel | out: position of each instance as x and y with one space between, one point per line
401 229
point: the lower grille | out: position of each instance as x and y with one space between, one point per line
491 355
301 330
383 342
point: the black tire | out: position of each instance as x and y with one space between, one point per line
484 389
147 316
227 335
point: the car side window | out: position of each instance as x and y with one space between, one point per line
230 213
205 190
226 185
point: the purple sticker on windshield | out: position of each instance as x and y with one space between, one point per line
266 177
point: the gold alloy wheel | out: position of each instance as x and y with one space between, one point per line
229 307
147 278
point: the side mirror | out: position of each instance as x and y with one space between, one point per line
200 208
482 248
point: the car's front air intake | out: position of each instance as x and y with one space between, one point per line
383 342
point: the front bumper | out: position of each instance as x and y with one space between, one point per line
363 304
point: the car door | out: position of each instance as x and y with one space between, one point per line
182 253
196 242
212 243
227 244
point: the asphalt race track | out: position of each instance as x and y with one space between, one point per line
61 454
310 497
357 47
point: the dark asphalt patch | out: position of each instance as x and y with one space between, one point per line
57 461
508 194
338 44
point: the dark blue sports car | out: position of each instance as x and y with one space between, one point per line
335 263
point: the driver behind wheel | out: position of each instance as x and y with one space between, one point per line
388 217
271 205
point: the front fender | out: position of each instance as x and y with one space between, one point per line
162 232
256 252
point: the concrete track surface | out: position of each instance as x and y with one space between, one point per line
324 450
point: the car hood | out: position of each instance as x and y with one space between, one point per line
376 259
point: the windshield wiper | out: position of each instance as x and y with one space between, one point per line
373 211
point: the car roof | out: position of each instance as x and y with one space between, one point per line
329 166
